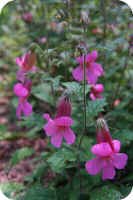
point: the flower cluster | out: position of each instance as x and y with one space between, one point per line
93 71
106 151
22 89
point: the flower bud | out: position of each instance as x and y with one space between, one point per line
30 60
64 106
85 17
103 133
27 17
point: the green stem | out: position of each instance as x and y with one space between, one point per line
84 126
84 95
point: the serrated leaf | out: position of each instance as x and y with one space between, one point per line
21 154
43 92
75 88
95 107
105 192
58 160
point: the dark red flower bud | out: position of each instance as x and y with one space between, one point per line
64 106
103 133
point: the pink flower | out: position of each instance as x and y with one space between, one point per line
26 64
96 91
64 107
59 127
23 92
27 17
107 154
106 160
93 69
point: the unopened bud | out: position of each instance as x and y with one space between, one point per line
64 106
103 133
85 17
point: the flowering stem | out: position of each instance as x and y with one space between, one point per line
84 129
84 94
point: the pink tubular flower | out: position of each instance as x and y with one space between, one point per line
26 64
96 91
59 127
93 69
23 91
107 155
27 17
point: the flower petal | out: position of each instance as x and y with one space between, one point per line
120 160
92 96
33 69
97 69
20 75
19 61
20 90
46 116
69 136
102 149
93 166
63 121
27 108
80 60
19 111
117 145
91 57
90 76
78 73
108 172
56 139
50 128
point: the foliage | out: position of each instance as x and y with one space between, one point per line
20 154
108 31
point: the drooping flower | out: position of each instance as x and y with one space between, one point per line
23 92
93 69
107 156
59 127
26 64
96 91
27 17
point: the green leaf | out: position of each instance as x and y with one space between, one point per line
95 107
85 153
72 87
21 154
10 188
125 136
38 173
58 161
43 92
75 88
37 192
105 192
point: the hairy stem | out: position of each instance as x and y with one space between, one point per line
84 125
